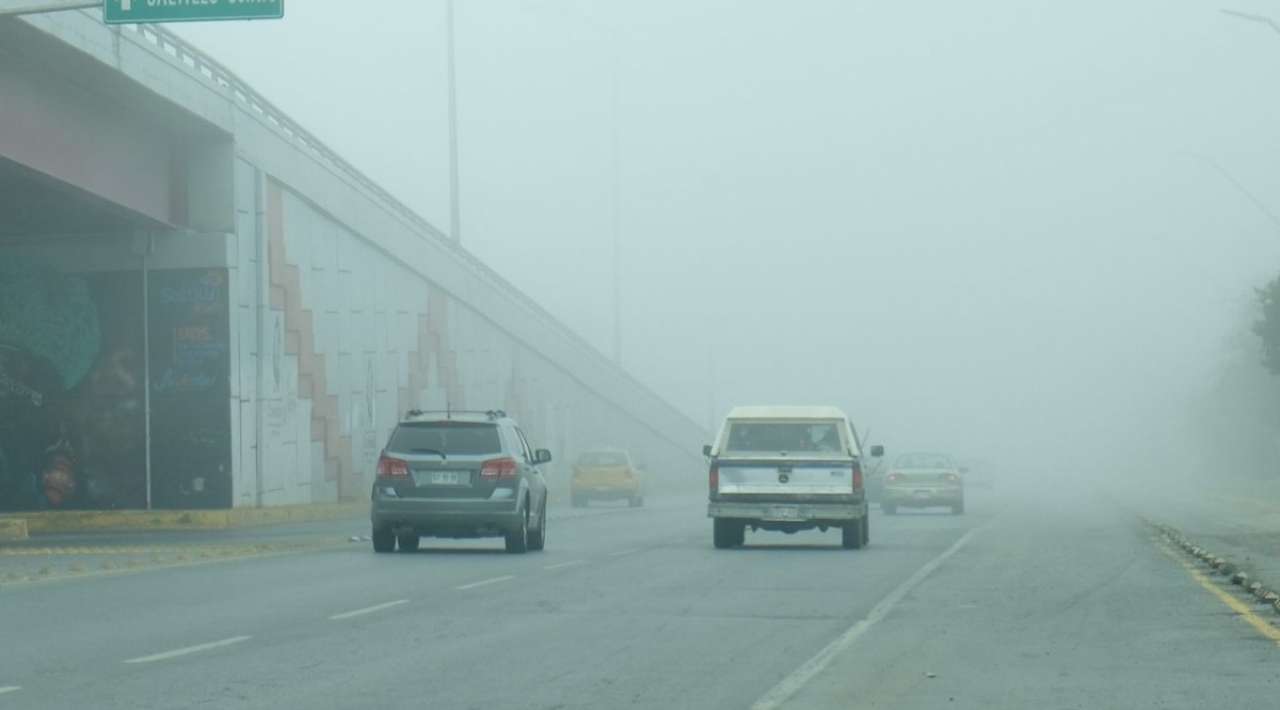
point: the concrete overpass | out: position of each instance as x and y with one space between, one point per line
203 306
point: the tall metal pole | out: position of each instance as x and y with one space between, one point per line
455 216
147 246
617 212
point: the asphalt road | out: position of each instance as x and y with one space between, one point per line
1053 605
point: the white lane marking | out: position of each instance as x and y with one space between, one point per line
367 610
561 565
620 553
484 582
788 686
9 689
189 650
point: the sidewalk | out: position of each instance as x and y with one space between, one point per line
54 556
114 549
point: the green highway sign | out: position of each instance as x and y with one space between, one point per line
125 12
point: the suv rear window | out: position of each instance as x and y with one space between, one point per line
447 437
602 458
776 437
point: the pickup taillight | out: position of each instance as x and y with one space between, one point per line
857 476
713 479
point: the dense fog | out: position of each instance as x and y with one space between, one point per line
1012 230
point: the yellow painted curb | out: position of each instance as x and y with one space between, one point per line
13 529
67 521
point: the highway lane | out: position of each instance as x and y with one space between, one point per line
633 608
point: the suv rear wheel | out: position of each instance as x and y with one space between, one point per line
384 540
538 538
408 541
518 539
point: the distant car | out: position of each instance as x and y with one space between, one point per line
921 480
459 475
787 469
606 474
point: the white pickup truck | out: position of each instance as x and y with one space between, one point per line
787 469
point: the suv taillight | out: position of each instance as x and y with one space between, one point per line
389 467
713 479
857 476
499 468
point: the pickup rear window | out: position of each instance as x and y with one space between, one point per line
446 437
778 437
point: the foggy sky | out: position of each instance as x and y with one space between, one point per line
976 226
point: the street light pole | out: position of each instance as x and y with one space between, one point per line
455 215
617 211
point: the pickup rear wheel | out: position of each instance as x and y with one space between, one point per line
852 536
727 533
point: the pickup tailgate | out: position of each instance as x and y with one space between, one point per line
783 478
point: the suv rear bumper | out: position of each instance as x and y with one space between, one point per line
784 512
447 517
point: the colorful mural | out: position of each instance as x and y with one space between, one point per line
72 404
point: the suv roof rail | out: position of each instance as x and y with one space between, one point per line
448 413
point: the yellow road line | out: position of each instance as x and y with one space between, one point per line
1264 627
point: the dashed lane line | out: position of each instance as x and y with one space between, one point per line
790 685
562 565
367 610
9 689
620 553
178 652
486 582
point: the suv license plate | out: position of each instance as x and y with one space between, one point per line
783 512
442 478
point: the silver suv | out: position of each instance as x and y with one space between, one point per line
459 475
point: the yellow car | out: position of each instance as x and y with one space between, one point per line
606 474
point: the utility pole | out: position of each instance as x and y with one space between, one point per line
617 209
455 215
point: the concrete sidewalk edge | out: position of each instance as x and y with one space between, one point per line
71 521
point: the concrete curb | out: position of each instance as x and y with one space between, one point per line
1220 565
13 529
74 521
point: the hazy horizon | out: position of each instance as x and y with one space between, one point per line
955 222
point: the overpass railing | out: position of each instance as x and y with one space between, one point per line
208 69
